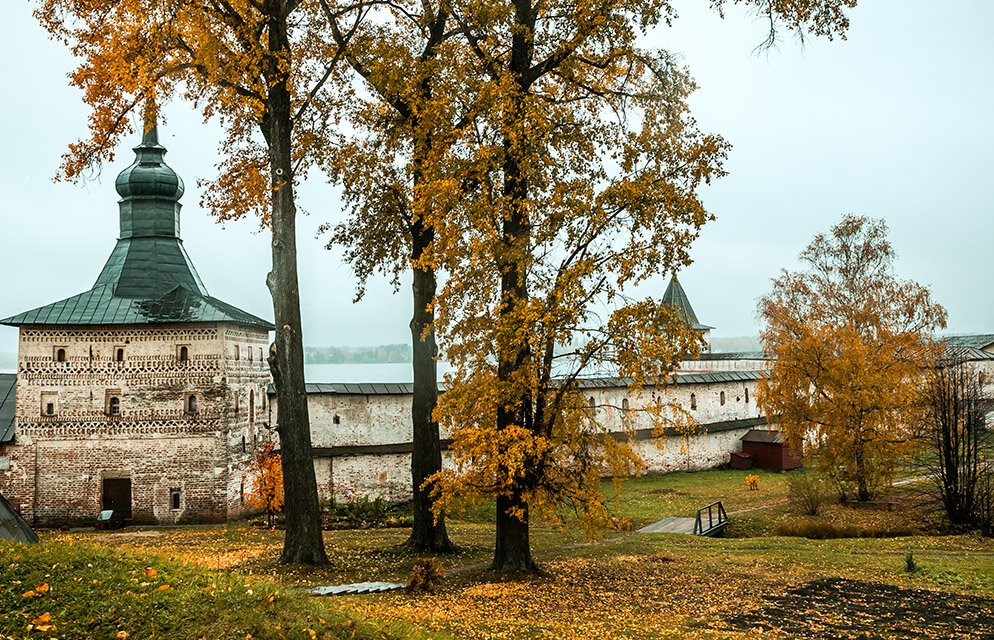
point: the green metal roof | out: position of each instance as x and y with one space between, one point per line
8 385
149 278
677 297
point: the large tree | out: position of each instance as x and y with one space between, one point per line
261 67
585 174
848 342
398 189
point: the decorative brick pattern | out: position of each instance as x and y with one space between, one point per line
59 462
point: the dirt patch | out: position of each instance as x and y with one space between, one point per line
122 537
840 608
667 493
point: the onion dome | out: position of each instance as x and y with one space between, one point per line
149 176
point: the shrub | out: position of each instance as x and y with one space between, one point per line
827 530
752 481
426 576
909 563
809 490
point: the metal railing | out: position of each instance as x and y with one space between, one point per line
716 519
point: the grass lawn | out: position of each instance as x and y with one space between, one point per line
629 586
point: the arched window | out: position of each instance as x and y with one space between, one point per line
251 405
119 356
260 355
747 395
237 353
336 419
114 406
624 404
593 405
693 401
184 354
243 444
60 355
249 352
191 404
721 397
235 402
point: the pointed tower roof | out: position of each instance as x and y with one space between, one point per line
148 278
677 297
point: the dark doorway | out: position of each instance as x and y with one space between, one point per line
117 496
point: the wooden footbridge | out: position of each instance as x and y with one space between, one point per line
710 521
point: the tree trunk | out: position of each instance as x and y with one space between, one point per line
427 533
862 482
303 542
512 551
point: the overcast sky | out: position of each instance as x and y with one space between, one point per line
896 122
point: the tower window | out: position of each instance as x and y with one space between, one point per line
184 354
260 355
624 404
119 355
593 404
721 397
237 353
174 499
244 449
191 404
336 419
112 402
235 402
60 355
251 405
747 395
693 401
248 352
49 402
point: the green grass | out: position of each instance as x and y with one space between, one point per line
84 591
650 498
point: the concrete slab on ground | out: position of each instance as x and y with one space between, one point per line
670 525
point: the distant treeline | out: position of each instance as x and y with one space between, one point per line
737 344
358 355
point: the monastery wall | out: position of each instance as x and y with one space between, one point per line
362 442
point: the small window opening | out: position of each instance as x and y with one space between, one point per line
593 404
49 408
747 395
241 493
174 498
114 406
60 355
721 397
261 360
693 401
184 354
336 419
237 354
624 404
120 355
249 352
191 404
244 449
236 403
251 405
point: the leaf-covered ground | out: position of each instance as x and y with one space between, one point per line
638 585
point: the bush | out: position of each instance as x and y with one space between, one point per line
827 530
426 576
809 490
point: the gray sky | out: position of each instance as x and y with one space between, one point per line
895 122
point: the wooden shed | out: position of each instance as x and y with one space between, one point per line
771 450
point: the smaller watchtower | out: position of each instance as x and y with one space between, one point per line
675 296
